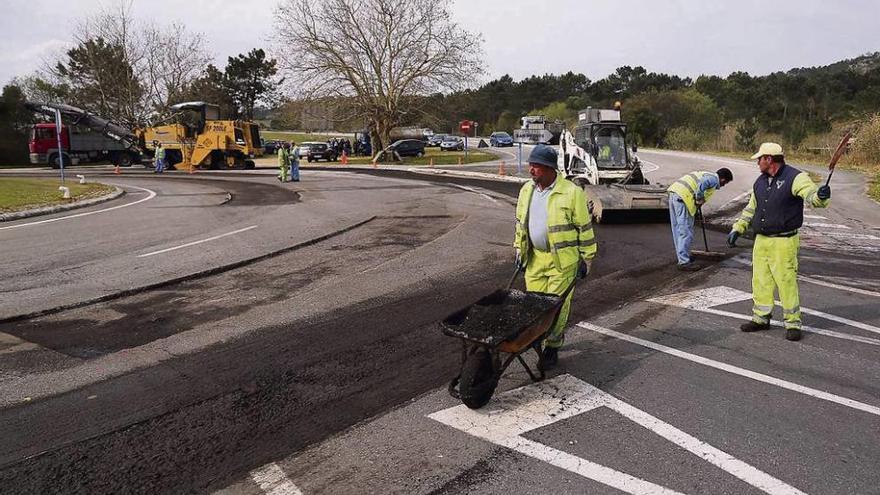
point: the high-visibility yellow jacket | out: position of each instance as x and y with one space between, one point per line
688 189
802 187
569 227
283 157
160 153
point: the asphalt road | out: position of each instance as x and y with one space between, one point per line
256 378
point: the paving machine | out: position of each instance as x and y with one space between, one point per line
198 138
597 158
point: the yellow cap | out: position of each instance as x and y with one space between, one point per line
768 149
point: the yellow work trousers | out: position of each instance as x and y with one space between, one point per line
543 276
775 266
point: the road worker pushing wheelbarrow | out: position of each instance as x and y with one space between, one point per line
554 238
555 245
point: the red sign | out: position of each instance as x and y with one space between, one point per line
465 125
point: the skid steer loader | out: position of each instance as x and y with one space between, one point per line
597 158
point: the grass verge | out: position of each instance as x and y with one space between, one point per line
874 188
18 193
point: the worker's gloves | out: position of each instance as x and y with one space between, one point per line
700 201
824 193
584 269
732 237
519 261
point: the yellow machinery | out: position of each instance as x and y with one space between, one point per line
201 140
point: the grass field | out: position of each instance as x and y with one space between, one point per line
874 188
439 158
297 137
24 193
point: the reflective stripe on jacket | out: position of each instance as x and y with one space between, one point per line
160 153
688 189
569 227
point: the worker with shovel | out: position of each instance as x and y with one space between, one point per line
686 196
554 238
776 212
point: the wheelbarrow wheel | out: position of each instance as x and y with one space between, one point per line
478 379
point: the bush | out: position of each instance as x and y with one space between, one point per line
685 138
866 148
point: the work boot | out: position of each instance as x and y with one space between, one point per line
690 266
793 334
754 327
551 358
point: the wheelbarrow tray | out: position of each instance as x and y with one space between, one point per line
511 318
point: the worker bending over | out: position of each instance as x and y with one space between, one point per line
776 212
554 238
686 196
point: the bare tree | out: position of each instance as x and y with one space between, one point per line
381 58
163 62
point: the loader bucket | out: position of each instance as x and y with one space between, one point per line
618 203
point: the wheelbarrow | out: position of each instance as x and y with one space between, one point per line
495 331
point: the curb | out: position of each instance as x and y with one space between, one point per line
48 210
192 276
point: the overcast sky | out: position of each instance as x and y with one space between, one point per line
593 37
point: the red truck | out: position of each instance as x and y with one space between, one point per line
79 143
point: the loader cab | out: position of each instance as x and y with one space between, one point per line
194 115
610 145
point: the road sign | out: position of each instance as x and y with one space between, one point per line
532 136
465 126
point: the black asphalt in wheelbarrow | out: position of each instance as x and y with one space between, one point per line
500 316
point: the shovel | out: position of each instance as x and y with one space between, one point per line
706 255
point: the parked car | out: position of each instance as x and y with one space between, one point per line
452 143
409 147
436 139
500 139
317 151
270 146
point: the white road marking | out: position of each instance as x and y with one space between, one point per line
815 225
745 261
703 300
198 242
273 481
850 235
816 217
760 377
470 189
510 415
738 197
654 166
151 195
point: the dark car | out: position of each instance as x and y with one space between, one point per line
409 147
317 151
436 139
452 143
500 139
270 146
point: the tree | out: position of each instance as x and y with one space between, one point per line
745 134
249 78
381 57
212 87
14 121
101 80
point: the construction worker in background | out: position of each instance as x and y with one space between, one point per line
284 161
554 238
686 196
294 162
159 156
775 213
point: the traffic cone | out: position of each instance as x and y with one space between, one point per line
344 158
459 160
501 170
432 162
117 171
